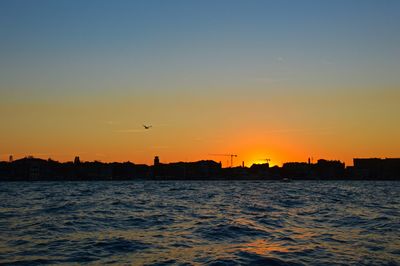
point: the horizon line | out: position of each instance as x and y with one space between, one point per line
171 162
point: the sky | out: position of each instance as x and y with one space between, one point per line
283 80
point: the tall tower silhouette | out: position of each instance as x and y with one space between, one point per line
156 161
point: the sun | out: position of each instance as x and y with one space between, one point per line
271 163
260 160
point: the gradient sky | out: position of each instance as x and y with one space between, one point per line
284 80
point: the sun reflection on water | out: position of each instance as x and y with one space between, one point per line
262 247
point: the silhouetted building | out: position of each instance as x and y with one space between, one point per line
156 161
376 168
129 171
11 159
260 170
296 170
77 160
187 170
30 168
330 169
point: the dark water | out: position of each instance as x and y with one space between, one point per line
197 223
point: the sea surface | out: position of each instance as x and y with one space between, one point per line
200 223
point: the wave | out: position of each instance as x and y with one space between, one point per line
200 223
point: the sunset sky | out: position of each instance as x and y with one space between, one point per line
284 80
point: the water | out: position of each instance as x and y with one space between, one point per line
200 223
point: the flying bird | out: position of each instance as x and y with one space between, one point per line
146 127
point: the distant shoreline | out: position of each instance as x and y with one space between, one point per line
35 169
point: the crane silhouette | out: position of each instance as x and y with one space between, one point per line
266 159
228 155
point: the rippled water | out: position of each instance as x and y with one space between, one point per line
197 223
